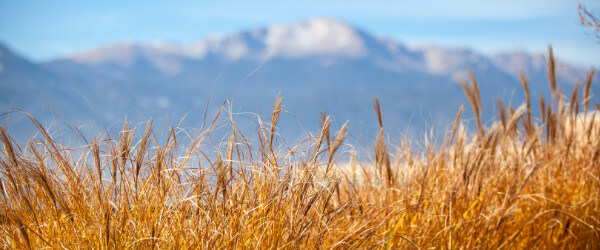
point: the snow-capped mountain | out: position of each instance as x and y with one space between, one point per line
317 64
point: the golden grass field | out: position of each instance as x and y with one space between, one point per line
527 180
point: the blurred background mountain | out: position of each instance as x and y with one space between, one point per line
315 64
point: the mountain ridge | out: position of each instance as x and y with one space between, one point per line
258 44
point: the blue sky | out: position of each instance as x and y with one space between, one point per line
42 30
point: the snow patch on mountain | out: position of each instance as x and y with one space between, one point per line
512 62
122 54
232 47
314 37
319 36
450 61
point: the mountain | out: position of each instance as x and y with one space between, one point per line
317 64
29 87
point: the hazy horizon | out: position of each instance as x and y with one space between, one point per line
48 30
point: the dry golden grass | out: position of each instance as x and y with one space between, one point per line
521 182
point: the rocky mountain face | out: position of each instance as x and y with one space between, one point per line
315 65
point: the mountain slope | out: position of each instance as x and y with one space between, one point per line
26 85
